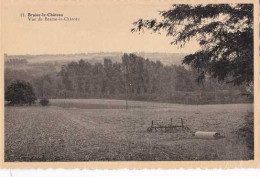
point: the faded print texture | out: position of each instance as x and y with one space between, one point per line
173 85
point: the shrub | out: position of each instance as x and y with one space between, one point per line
44 102
20 92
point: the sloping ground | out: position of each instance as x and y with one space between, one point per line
90 133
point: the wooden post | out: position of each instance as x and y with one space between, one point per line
182 122
171 121
152 123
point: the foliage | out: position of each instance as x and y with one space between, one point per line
44 102
224 32
135 77
141 79
20 92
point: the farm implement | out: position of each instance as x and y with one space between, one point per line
178 126
167 126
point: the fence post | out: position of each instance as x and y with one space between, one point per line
182 123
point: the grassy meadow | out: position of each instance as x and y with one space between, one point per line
103 130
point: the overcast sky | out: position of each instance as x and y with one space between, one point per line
102 27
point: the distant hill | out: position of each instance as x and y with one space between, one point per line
165 58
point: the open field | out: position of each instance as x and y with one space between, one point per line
92 130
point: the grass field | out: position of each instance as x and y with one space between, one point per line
93 130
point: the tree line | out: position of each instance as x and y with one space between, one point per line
16 61
134 78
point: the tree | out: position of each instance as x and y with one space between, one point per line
20 92
224 32
65 78
108 76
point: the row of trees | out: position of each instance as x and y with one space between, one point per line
134 75
134 78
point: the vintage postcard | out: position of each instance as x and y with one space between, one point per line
129 84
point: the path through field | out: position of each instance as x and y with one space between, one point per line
93 130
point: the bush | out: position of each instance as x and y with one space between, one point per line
20 92
44 102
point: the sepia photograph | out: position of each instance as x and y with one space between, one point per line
128 81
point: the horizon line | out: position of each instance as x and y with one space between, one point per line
92 53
